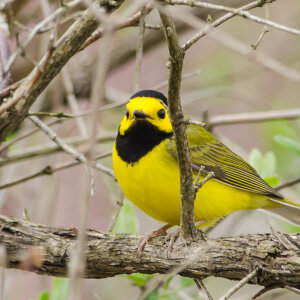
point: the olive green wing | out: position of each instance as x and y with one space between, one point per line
228 167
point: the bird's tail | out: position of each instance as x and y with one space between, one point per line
287 210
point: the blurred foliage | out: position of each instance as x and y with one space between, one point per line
127 221
180 290
288 143
59 291
265 165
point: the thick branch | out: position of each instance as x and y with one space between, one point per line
113 254
176 56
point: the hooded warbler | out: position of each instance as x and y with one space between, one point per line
146 167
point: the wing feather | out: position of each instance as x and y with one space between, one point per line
229 168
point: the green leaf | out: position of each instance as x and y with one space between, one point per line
288 143
60 289
12 135
168 281
272 181
138 279
44 296
255 158
264 165
153 296
127 221
186 282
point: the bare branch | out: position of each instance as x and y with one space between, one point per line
119 204
131 21
265 30
187 190
239 285
242 48
4 52
288 183
113 254
37 28
239 12
36 82
67 148
48 170
203 289
42 150
139 50
251 117
216 23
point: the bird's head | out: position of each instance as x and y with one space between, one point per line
147 106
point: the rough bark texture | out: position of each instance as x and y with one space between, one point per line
187 190
109 254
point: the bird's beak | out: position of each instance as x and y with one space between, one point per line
140 115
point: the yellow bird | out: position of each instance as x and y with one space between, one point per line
146 167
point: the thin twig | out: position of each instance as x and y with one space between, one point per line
73 102
240 12
163 84
116 213
242 48
78 259
35 75
216 23
37 28
253 117
42 150
239 285
67 148
200 184
157 281
194 122
48 170
288 183
203 289
3 259
265 30
4 51
5 92
139 50
131 21
56 139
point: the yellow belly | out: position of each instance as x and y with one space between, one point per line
153 184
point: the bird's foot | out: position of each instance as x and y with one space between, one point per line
158 232
172 236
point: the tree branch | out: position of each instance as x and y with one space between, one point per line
187 191
236 11
38 79
252 117
112 254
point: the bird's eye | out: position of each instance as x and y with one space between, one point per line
161 114
127 114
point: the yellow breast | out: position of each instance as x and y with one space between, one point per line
153 184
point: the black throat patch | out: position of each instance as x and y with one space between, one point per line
138 140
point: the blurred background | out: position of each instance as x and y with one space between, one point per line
218 81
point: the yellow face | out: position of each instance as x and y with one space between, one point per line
149 109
